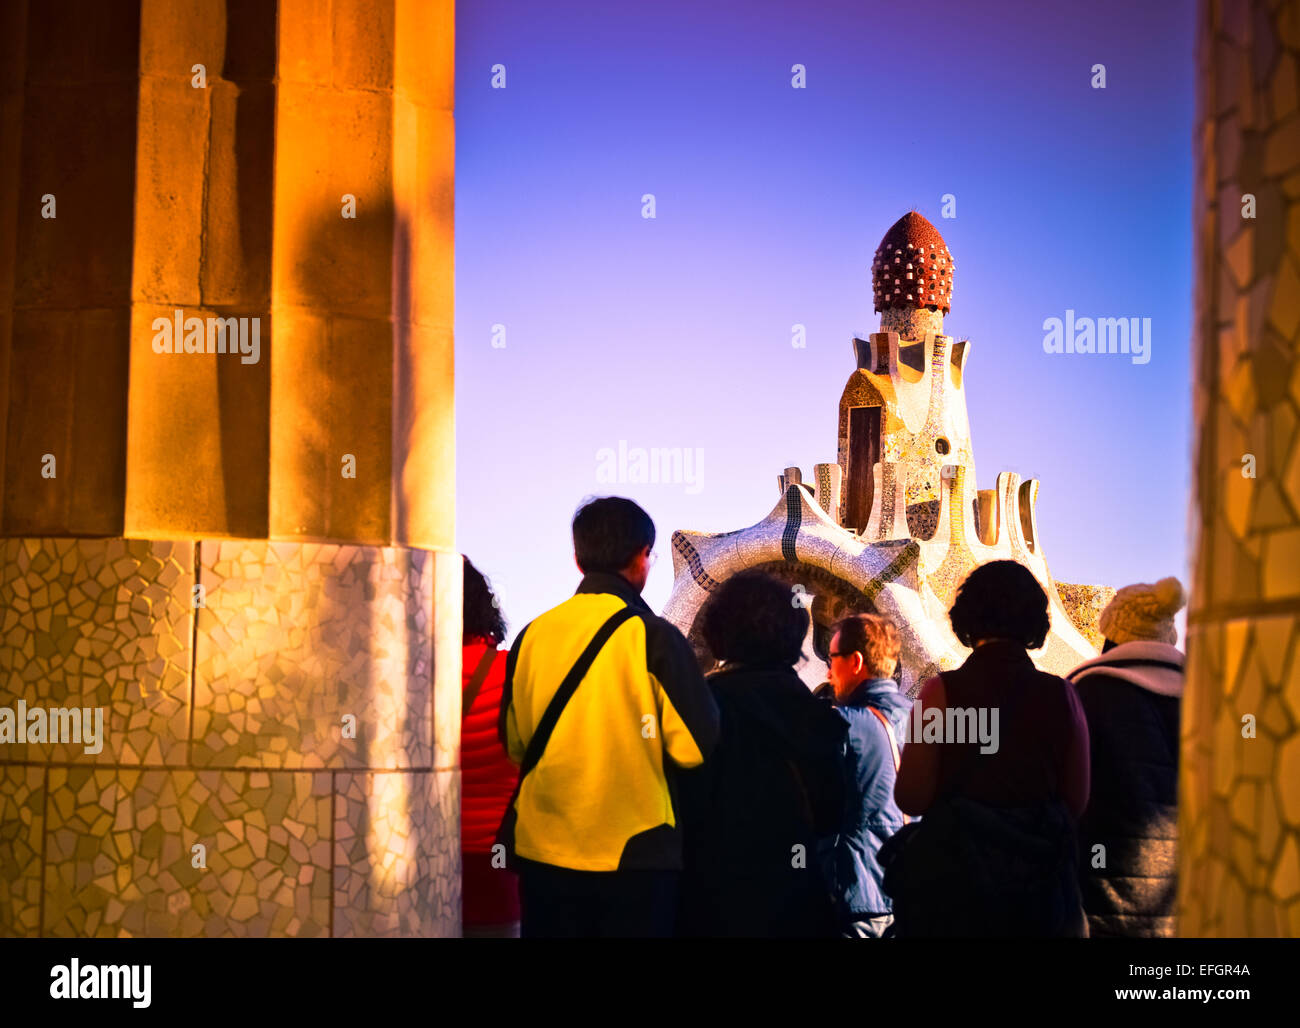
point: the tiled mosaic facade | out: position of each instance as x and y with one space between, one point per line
1239 805
277 673
1084 604
928 526
225 728
104 623
396 867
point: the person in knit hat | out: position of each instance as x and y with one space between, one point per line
1132 696
1143 613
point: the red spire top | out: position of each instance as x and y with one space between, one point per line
912 267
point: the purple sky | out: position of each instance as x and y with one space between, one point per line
770 201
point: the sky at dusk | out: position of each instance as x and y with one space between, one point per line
770 202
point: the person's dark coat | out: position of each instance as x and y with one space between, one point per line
753 813
995 853
972 870
1131 696
870 814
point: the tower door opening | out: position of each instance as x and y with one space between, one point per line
864 454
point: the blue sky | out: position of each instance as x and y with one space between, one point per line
770 201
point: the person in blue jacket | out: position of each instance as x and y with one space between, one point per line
863 658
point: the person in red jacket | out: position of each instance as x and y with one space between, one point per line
490 892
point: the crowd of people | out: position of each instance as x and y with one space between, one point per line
610 788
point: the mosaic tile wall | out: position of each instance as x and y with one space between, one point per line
227 727
1084 604
911 580
1239 803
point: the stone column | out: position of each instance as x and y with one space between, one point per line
246 560
1239 800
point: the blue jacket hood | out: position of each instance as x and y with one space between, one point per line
884 695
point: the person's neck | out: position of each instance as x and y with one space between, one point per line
853 689
638 586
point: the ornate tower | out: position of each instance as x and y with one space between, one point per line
896 523
904 407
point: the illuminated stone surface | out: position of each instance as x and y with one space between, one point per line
22 828
329 596
396 868
290 638
100 623
294 637
1239 799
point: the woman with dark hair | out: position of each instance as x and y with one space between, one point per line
997 764
490 892
754 812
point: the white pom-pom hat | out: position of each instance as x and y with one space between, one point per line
1144 612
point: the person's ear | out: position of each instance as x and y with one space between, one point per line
858 663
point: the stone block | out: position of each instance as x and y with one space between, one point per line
424 437
71 42
83 256
120 858
175 37
67 397
13 54
332 388
322 260
207 413
11 127
171 156
366 61
296 640
253 29
424 199
100 624
445 626
397 855
425 52
306 42
22 825
236 266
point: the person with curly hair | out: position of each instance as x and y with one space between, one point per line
995 851
490 893
755 812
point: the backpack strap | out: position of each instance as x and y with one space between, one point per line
889 731
475 683
893 744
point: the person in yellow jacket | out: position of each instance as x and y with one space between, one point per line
602 700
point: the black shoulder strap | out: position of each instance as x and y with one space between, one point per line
537 744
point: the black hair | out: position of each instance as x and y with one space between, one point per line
755 619
482 617
1001 600
608 532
